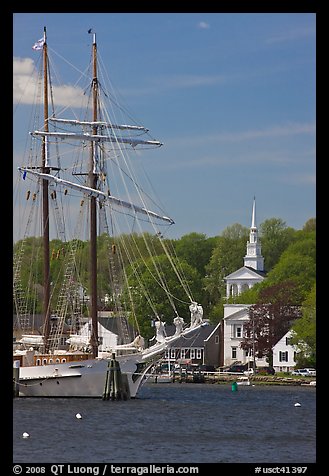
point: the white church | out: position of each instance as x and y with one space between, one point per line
236 315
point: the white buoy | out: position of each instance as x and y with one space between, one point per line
25 434
78 416
297 404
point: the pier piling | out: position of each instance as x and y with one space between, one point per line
16 365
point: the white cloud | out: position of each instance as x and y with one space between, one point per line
25 86
285 130
292 35
300 179
203 25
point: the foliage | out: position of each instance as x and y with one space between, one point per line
305 332
297 264
227 256
196 250
270 318
310 225
148 281
275 238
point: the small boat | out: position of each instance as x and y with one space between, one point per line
79 168
312 383
243 381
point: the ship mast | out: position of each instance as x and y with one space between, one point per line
45 201
93 219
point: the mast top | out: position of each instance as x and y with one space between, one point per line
94 35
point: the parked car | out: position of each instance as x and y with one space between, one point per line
308 372
311 372
236 368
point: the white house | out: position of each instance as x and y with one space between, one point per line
284 354
235 316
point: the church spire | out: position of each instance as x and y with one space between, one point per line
253 219
254 258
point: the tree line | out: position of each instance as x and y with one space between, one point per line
204 261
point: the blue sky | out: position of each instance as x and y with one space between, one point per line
231 96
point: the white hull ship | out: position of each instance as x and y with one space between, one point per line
87 378
41 369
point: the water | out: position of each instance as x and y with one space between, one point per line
171 423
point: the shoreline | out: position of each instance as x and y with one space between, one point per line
256 380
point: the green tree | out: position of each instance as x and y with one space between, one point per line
156 291
196 250
227 256
310 225
275 238
297 264
305 332
270 318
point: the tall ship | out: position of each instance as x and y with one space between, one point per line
80 185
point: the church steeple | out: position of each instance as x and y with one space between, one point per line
254 258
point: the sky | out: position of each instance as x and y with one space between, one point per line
231 96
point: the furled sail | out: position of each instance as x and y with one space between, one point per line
97 194
97 138
75 122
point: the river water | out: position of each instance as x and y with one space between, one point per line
171 423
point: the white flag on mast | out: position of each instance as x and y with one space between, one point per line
39 44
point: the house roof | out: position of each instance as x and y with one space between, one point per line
194 339
35 323
113 324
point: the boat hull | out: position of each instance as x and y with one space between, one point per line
80 379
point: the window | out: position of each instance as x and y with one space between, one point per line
199 354
238 332
283 356
192 354
233 355
172 353
182 353
217 339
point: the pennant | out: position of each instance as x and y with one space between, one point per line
38 45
